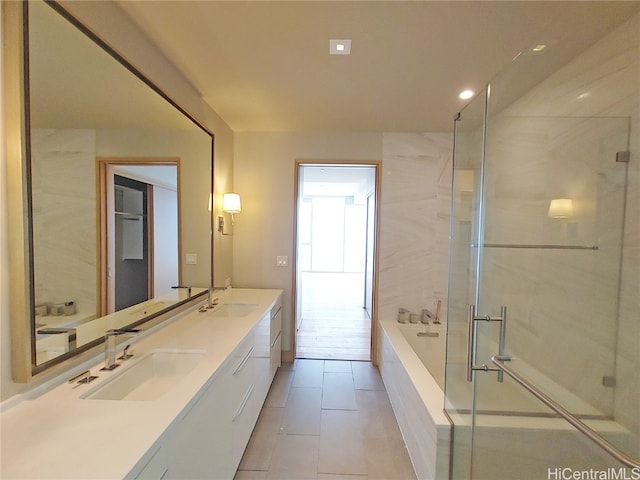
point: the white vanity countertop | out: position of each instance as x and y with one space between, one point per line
61 435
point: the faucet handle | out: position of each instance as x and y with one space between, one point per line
426 316
127 353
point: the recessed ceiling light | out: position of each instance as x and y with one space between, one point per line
466 94
339 47
539 48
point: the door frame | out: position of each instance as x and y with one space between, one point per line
104 207
377 165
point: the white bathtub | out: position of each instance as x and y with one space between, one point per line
514 437
416 397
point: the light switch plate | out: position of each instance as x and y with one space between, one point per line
282 261
191 259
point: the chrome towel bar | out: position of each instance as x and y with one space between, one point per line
569 417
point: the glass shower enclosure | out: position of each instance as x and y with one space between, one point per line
544 292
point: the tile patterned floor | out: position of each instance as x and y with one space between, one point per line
326 420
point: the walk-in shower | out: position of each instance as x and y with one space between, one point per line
545 270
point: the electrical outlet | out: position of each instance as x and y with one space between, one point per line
282 261
191 259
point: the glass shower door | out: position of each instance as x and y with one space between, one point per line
537 241
463 275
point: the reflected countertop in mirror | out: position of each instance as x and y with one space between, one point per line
87 109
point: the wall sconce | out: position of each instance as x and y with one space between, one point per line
230 204
561 208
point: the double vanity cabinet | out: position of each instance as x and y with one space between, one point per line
207 377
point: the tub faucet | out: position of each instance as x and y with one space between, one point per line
110 346
427 315
437 319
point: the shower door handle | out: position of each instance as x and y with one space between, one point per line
472 341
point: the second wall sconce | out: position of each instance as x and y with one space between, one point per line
561 208
230 204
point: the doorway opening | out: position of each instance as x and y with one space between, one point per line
336 223
138 230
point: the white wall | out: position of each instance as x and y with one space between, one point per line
108 21
416 179
264 172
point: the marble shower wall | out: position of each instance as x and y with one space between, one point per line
414 232
64 216
576 313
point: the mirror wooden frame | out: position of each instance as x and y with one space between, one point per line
20 242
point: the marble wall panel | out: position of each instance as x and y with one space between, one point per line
414 232
64 217
578 312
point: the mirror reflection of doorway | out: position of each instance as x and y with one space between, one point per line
334 265
139 231
131 270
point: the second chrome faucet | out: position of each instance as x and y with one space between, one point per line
110 347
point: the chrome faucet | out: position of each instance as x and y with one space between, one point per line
188 288
425 316
437 319
110 346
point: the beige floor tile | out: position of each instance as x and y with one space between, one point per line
388 460
257 455
341 446
302 412
366 376
333 476
338 392
377 419
250 475
308 373
326 444
294 457
337 366
277 396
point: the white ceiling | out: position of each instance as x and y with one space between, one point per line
265 65
74 83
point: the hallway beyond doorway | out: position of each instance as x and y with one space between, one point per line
334 323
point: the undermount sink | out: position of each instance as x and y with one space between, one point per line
148 379
234 310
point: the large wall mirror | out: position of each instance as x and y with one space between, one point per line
118 180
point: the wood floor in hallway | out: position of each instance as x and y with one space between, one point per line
326 420
334 323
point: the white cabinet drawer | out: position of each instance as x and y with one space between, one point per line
276 355
200 444
156 467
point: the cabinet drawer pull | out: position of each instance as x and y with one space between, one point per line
276 339
243 362
243 404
